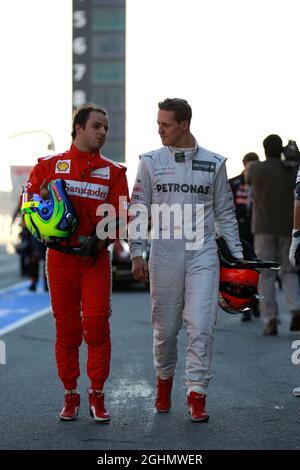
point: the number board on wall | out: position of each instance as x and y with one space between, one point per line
99 64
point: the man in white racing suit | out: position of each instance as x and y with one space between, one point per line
184 270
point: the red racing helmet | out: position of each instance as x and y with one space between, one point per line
239 278
237 289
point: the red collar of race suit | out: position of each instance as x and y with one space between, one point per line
93 161
75 152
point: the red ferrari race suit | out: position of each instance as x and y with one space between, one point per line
80 286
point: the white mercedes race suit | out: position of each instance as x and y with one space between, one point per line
184 282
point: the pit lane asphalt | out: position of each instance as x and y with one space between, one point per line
250 398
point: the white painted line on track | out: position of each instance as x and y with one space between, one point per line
24 321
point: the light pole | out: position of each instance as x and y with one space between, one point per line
51 145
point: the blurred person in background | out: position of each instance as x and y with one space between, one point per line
22 247
36 268
79 272
273 198
32 253
243 204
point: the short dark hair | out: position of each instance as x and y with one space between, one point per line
82 113
181 108
273 146
250 157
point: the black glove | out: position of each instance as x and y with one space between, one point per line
87 248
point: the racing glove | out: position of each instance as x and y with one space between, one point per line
294 255
89 247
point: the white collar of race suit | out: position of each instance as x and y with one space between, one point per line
185 153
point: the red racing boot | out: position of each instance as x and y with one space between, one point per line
196 405
163 394
71 407
97 407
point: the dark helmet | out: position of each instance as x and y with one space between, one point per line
49 220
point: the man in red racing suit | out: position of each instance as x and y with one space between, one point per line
80 285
